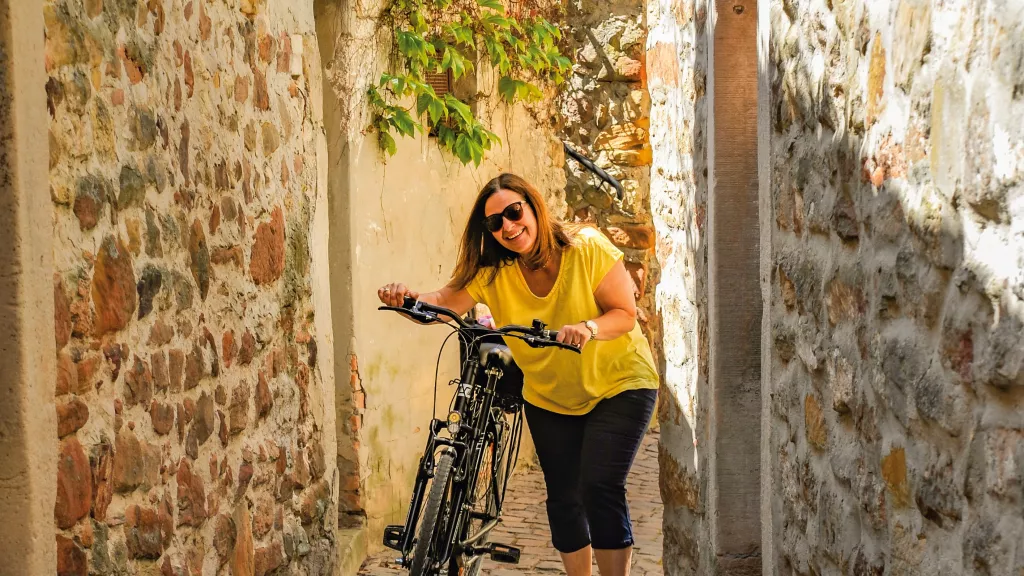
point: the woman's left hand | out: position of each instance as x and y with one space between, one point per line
574 334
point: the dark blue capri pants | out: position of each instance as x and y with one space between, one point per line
586 460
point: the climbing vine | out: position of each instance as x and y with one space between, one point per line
447 36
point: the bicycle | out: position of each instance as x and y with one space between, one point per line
463 474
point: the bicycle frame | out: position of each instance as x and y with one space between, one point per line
478 419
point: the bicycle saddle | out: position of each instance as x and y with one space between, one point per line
495 355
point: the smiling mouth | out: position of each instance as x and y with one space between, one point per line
517 235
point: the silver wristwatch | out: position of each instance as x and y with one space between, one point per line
592 326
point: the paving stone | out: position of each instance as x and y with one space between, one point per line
524 524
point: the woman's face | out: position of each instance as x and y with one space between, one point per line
518 236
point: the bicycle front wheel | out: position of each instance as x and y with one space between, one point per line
426 554
489 487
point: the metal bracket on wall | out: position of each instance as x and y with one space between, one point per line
589 165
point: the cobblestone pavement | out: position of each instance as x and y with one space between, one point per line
525 524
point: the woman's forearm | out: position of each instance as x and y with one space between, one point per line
458 301
614 323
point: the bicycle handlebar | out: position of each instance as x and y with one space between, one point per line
535 336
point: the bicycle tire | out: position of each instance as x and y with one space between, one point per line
498 466
421 560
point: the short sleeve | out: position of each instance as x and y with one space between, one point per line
477 289
599 254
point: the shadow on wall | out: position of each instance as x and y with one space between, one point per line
897 326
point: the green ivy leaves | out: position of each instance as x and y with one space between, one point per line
435 36
511 88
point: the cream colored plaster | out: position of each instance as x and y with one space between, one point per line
28 447
400 219
408 217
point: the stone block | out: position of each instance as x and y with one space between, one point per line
948 121
136 464
913 34
876 79
71 416
266 262
814 423
268 559
71 559
113 287
199 258
628 136
242 557
138 383
641 157
1004 464
67 375
315 502
91 194
238 412
223 537
271 138
147 288
191 496
132 188
261 98
74 484
264 398
142 530
894 471
162 416
638 237
942 400
937 492
844 302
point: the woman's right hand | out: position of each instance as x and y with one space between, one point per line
394 294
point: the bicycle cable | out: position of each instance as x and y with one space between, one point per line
437 369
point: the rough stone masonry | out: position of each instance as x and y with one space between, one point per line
677 74
604 107
894 278
195 428
897 287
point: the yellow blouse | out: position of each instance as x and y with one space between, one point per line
560 380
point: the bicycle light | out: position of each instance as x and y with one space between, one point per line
454 423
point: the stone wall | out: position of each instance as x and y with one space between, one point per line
604 109
897 287
676 74
195 416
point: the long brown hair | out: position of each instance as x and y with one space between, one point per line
479 249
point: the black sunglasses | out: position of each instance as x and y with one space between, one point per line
514 213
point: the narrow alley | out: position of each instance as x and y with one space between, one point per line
819 206
525 524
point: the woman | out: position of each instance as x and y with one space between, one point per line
587 413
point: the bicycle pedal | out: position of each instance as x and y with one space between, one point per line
503 553
393 536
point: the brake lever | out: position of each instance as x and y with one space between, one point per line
533 342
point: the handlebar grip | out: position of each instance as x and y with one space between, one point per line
408 302
546 342
565 346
